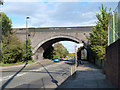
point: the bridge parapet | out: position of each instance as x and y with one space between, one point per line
58 29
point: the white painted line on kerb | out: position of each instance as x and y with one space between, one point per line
18 75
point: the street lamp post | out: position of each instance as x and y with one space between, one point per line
27 18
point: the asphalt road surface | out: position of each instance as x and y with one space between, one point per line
37 76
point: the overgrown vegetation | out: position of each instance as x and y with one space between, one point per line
6 25
59 51
13 50
48 54
27 54
71 55
99 36
1 2
18 63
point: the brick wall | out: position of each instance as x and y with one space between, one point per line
90 56
113 63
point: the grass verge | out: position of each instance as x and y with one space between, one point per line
18 63
45 59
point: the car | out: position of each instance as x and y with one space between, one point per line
61 59
56 60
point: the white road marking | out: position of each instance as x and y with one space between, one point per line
18 75
8 77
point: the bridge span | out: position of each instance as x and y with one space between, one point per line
42 38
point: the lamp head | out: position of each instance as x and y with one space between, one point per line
27 17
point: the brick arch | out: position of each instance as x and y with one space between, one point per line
57 38
43 45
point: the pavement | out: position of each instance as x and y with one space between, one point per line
87 76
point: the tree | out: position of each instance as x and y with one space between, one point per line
99 36
1 2
12 49
48 52
71 55
59 51
27 54
6 24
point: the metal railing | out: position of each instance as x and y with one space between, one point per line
114 26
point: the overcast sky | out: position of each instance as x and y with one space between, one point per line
54 14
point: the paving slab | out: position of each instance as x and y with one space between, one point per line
87 76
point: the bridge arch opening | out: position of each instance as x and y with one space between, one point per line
42 46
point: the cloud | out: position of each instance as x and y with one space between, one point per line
54 14
20 26
61 0
22 9
64 14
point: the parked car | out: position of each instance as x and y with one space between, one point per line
61 59
56 60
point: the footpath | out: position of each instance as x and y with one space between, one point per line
87 76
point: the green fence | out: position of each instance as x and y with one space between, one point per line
114 26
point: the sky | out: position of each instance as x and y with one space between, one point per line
55 13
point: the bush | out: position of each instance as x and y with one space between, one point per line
12 49
27 55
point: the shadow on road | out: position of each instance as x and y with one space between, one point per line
39 72
70 62
53 80
7 82
46 71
